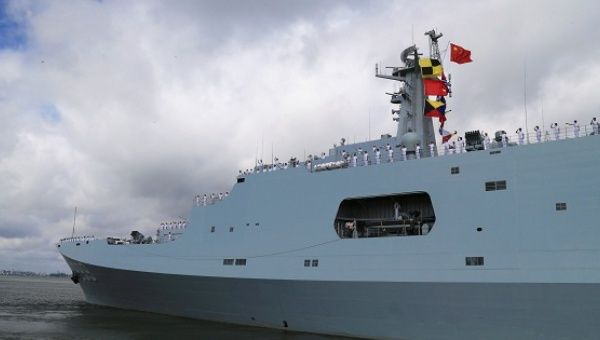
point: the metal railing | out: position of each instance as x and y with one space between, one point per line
77 238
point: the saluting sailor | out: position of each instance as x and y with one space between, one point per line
576 128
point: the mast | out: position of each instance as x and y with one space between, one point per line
434 50
413 126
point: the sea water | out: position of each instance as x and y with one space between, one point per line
54 308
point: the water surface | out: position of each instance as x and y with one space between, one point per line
54 308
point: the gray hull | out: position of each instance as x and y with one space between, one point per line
369 309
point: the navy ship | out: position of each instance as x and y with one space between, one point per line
398 237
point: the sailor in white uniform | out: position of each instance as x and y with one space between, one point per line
197 200
461 145
595 125
576 128
403 150
556 130
446 148
538 134
504 139
418 151
453 148
365 158
354 160
431 149
204 199
486 141
521 136
377 156
390 154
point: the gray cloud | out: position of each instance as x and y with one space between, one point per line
127 109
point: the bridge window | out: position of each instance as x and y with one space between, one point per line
407 214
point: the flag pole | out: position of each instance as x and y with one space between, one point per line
525 99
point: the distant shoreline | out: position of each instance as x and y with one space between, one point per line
20 273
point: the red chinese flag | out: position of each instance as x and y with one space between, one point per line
433 87
459 55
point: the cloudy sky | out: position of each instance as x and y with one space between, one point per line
126 109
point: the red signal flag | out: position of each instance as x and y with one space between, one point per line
434 87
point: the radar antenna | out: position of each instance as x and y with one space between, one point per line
434 50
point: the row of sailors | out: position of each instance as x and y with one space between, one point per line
448 147
77 238
556 131
173 225
459 146
595 126
293 163
209 199
353 159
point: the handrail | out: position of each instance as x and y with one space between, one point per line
77 238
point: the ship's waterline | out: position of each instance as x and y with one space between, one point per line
410 310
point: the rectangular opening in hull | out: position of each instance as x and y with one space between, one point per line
405 214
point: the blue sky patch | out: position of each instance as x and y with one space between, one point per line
50 113
12 34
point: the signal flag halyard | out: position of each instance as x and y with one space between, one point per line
459 54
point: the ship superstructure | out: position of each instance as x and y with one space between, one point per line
500 240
